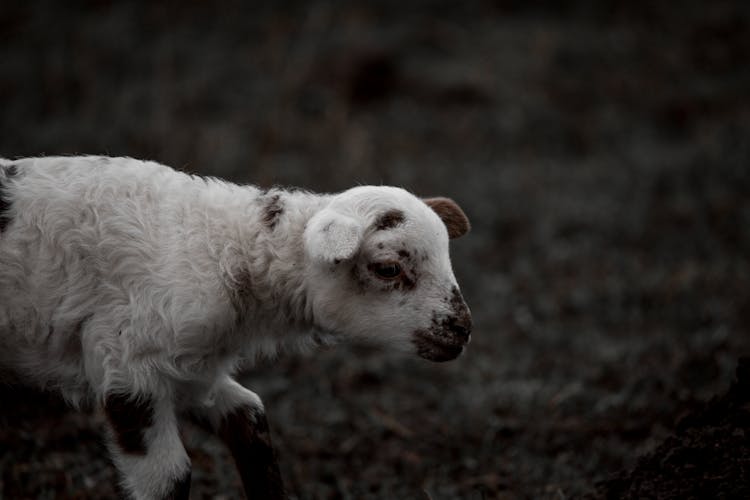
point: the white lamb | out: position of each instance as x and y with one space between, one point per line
144 290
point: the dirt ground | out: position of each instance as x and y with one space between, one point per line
602 151
707 457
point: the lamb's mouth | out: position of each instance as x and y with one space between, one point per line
437 348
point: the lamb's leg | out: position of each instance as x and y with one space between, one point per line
146 447
237 415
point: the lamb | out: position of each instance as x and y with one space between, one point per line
143 290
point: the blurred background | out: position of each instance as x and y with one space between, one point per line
600 148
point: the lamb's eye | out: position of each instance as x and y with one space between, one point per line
386 270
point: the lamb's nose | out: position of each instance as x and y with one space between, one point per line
461 326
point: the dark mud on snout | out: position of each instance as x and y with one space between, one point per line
459 322
447 335
435 348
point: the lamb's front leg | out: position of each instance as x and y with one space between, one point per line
146 447
237 415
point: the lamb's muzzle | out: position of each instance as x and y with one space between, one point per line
446 338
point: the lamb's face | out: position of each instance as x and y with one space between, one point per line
380 271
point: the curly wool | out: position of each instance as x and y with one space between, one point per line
115 269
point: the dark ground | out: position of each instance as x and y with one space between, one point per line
602 151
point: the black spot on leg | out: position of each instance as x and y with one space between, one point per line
129 418
245 431
7 172
180 488
390 219
272 210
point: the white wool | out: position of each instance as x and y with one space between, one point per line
118 275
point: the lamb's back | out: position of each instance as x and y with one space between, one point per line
93 248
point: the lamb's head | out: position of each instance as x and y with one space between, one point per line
379 271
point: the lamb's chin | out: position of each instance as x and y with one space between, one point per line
432 348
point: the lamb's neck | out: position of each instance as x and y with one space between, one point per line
265 266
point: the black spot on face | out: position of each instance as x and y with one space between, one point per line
436 348
360 281
447 334
272 210
129 418
406 281
459 322
7 172
411 273
389 220
410 281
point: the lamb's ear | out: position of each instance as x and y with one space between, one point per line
331 236
453 217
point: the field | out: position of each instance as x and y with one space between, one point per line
601 150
